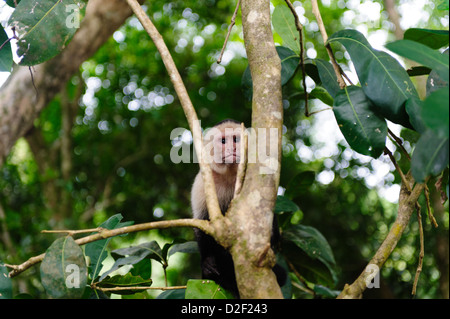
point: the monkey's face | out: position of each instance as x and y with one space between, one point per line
228 144
223 144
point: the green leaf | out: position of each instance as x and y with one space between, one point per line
326 292
63 269
284 24
434 39
435 113
44 27
146 250
382 78
172 294
6 59
189 247
422 54
363 129
284 204
96 251
328 76
5 283
414 109
315 259
125 281
289 63
125 261
430 156
206 289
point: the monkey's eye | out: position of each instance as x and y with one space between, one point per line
236 139
223 140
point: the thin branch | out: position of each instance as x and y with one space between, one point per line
299 27
399 142
204 225
72 232
422 250
400 172
210 188
94 286
336 67
233 20
430 214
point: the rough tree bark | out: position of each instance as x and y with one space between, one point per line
20 105
252 211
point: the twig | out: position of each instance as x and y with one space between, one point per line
399 143
422 250
430 214
204 225
299 27
336 67
94 286
72 232
233 20
210 188
402 176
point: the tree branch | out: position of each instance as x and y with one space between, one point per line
407 204
336 67
107 233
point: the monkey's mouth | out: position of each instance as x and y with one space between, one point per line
231 159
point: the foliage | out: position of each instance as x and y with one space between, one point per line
121 153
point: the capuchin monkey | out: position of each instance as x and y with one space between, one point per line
216 261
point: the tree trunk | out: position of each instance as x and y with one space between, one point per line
20 103
252 212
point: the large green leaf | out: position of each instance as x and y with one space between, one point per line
327 76
363 129
284 24
6 59
96 251
430 156
422 54
5 283
382 78
434 39
206 289
63 269
45 27
315 258
435 113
